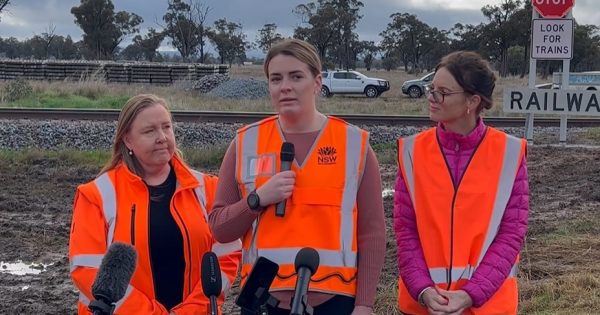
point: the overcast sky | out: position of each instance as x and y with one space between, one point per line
26 18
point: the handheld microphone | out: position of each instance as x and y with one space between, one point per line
112 279
255 293
286 156
211 279
306 264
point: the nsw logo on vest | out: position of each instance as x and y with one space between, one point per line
327 155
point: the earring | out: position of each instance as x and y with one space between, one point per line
130 152
468 111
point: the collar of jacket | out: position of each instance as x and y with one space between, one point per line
449 139
183 173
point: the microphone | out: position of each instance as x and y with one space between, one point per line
306 263
286 156
255 293
112 279
211 279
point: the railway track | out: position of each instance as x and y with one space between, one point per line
248 117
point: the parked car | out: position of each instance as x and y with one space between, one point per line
351 82
416 88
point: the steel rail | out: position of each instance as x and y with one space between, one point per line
249 117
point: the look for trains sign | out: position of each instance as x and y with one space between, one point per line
553 8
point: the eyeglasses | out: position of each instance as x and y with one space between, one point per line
439 96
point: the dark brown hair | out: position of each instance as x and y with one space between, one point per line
473 74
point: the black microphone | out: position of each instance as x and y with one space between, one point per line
286 156
211 279
306 263
112 279
255 293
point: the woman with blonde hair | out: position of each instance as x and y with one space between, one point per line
332 192
147 196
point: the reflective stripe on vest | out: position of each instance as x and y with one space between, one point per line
510 165
220 249
345 257
92 261
109 204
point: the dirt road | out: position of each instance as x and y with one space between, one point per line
35 215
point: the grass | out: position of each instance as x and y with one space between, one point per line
94 93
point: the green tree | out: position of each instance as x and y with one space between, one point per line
229 40
185 26
267 36
369 50
149 43
329 25
104 29
410 40
499 33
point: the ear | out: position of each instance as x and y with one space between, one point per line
473 102
318 82
126 141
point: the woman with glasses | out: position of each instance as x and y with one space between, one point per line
461 201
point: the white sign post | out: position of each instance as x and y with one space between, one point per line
551 39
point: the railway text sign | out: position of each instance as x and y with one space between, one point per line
571 102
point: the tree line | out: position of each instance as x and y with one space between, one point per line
330 25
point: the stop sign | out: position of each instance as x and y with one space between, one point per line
553 8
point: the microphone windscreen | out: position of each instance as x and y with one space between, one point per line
115 272
211 275
307 257
287 152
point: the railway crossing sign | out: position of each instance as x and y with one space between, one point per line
552 39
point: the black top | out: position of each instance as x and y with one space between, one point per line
166 245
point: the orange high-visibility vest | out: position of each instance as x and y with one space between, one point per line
114 208
322 211
457 225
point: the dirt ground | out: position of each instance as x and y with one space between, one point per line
35 214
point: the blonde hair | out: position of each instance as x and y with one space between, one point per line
128 114
297 48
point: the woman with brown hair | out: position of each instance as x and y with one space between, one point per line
461 201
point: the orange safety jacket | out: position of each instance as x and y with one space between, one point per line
457 223
322 211
114 208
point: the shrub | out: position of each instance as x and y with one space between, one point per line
16 90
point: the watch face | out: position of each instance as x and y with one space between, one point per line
253 201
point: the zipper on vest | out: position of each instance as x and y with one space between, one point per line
132 227
449 270
189 247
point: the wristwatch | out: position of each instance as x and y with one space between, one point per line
253 200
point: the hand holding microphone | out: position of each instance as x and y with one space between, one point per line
279 187
112 279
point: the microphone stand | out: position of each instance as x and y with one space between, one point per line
262 293
213 305
306 308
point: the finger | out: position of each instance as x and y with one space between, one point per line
287 174
440 299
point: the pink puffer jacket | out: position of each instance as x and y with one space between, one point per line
503 251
